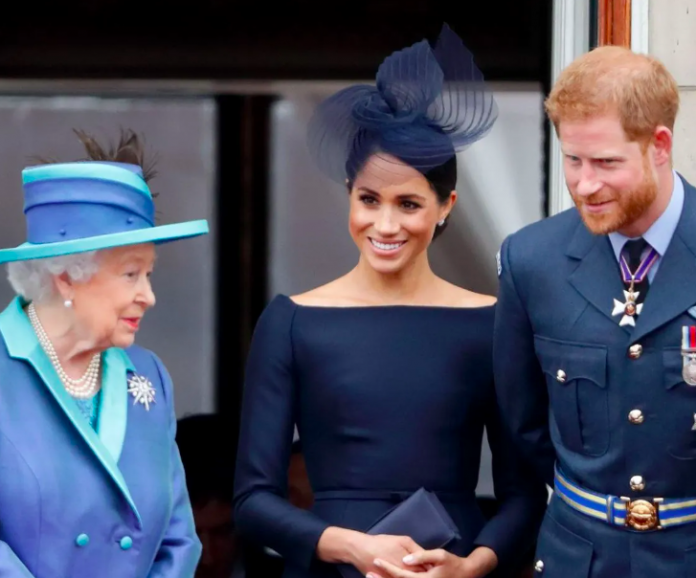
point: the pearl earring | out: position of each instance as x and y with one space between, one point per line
441 223
67 303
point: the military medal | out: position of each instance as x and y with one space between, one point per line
688 351
629 309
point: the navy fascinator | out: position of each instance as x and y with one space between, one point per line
428 104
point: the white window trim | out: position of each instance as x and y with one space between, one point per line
571 38
640 26
571 20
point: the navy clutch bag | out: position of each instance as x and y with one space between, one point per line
422 517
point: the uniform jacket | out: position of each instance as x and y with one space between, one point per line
569 378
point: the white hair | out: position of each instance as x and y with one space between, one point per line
33 279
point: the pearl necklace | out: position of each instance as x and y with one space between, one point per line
83 388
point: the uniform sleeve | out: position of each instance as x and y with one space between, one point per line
521 494
180 548
519 381
262 511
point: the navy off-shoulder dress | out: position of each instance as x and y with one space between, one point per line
387 399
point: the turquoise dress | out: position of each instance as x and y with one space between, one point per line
89 408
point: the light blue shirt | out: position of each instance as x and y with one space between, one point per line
660 233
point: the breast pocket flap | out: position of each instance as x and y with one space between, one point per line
567 362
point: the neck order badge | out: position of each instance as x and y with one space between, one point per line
630 309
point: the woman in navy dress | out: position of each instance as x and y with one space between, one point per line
387 370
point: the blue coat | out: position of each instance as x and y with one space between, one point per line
554 314
80 504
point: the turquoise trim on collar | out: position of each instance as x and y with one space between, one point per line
18 333
22 343
162 234
86 170
113 411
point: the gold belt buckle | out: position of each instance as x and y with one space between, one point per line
643 515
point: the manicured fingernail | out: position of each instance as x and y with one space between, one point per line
370 575
377 562
409 559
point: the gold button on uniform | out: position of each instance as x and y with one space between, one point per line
635 351
539 566
637 483
636 416
561 375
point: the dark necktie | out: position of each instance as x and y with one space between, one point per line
632 252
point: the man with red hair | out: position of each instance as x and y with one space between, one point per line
595 341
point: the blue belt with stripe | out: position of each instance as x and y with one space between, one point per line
640 514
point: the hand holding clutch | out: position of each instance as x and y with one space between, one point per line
368 548
355 551
421 517
440 564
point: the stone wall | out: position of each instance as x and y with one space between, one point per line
672 25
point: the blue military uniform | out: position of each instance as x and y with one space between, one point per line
602 409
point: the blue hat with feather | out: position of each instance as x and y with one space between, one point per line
89 205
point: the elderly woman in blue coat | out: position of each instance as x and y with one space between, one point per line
91 483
